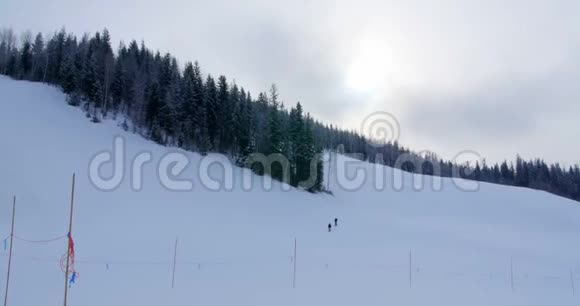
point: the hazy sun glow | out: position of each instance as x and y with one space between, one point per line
370 67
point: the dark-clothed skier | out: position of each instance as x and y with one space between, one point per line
335 222
329 227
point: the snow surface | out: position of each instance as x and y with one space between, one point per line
235 247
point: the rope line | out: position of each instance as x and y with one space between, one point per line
425 272
41 241
5 240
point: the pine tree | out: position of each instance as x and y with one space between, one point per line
69 75
275 132
234 119
477 173
200 116
167 118
154 105
244 127
26 59
105 70
224 115
297 151
55 57
496 173
312 169
522 174
261 115
275 136
118 84
203 137
38 58
12 64
90 83
212 112
187 107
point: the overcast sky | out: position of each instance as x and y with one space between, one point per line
496 77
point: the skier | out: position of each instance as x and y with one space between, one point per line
335 222
329 227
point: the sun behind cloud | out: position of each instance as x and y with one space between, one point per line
371 66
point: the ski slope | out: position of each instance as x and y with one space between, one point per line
235 247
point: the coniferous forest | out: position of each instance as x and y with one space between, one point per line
177 105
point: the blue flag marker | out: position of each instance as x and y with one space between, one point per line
73 278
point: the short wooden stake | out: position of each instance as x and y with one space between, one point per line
512 273
294 273
410 269
174 261
572 282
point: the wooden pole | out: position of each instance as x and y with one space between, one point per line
410 269
294 274
572 282
10 252
174 261
70 222
512 273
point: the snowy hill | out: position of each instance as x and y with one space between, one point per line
495 246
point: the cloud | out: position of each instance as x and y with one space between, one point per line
535 118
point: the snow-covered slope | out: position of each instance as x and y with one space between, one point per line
235 247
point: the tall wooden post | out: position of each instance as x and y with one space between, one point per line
174 262
70 222
294 274
10 252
